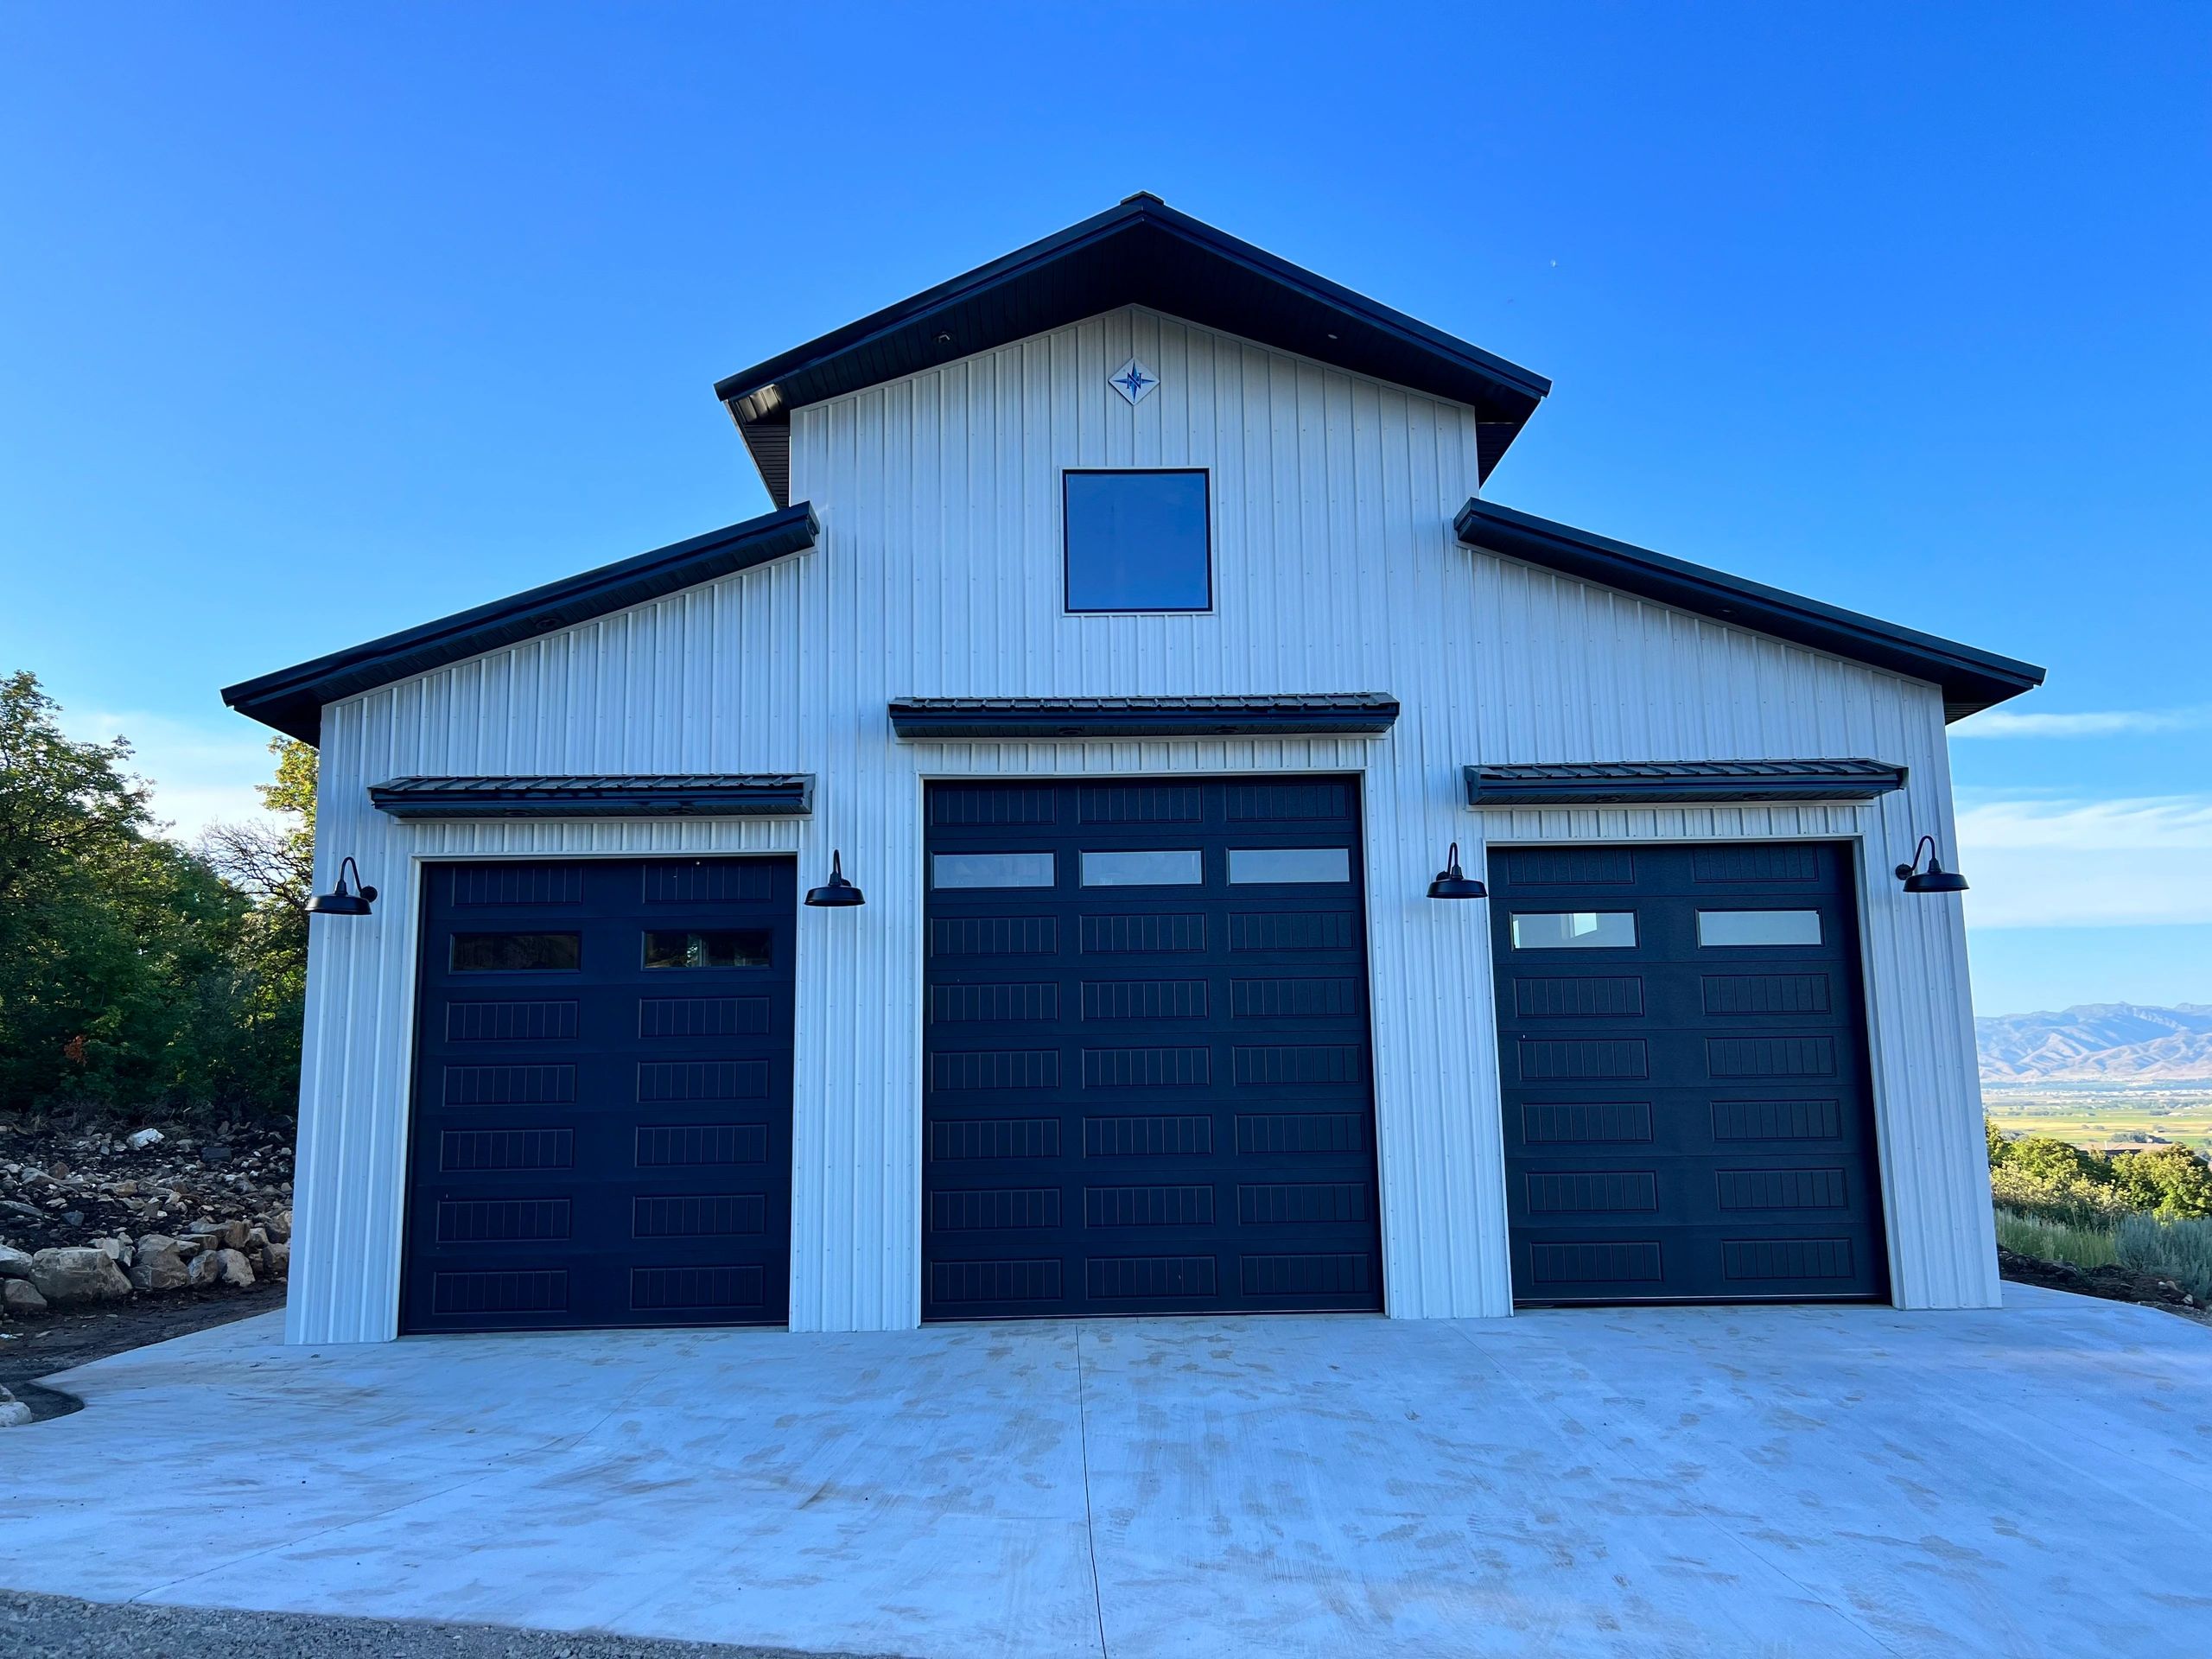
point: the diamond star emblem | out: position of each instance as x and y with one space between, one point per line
1134 381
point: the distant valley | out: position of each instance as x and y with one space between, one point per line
2110 1043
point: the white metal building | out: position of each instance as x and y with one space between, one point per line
1133 629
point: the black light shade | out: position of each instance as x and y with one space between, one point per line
345 901
835 893
1935 878
1452 882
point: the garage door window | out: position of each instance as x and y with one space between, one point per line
1250 866
1182 869
1574 930
517 953
992 870
734 948
1758 927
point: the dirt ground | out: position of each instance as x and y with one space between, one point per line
2114 1284
42 1343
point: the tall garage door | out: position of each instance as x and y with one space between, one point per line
1687 1110
1146 1085
602 1096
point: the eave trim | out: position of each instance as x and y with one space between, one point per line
1365 714
1971 679
291 700
688 795
1645 783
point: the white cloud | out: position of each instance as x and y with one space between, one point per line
2118 722
201 774
2077 863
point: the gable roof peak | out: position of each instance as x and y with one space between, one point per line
1140 252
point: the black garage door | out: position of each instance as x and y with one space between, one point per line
602 1096
1147 1084
1687 1111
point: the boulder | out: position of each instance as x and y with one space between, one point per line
139 1140
116 1250
237 1271
76 1274
13 1412
20 1296
14 1263
276 1260
160 1265
280 1226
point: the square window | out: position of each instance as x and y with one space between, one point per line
1138 541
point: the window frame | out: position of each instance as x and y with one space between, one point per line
1069 607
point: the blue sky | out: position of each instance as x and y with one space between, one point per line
316 323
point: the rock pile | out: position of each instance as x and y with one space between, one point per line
95 1216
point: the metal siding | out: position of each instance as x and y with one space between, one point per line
938 574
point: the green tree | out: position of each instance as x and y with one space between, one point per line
272 863
2171 1181
132 972
116 947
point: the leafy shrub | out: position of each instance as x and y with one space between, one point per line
2172 1180
2052 1241
2179 1250
2059 1182
2068 1201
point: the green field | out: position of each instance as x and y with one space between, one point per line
2098 1118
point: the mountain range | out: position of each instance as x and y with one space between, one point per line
2099 1042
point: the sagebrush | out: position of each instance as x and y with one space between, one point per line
2179 1250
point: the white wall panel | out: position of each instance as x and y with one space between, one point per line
939 573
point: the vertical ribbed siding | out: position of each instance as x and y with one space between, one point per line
939 573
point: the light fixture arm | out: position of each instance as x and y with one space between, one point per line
1927 846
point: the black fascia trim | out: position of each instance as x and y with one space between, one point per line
778 795
291 700
1634 783
1141 252
1971 679
1366 713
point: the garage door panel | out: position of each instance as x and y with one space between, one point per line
1673 1106
603 1141
1163 1094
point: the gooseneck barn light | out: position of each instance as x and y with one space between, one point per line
345 901
1935 878
835 893
1452 882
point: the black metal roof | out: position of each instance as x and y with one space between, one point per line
292 699
1356 713
1624 783
683 795
1141 252
1972 679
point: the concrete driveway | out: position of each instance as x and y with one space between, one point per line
1828 1482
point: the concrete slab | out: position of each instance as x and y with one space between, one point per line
1818 1481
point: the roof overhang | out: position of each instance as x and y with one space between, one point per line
686 795
1972 680
1648 783
291 700
1142 252
953 720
